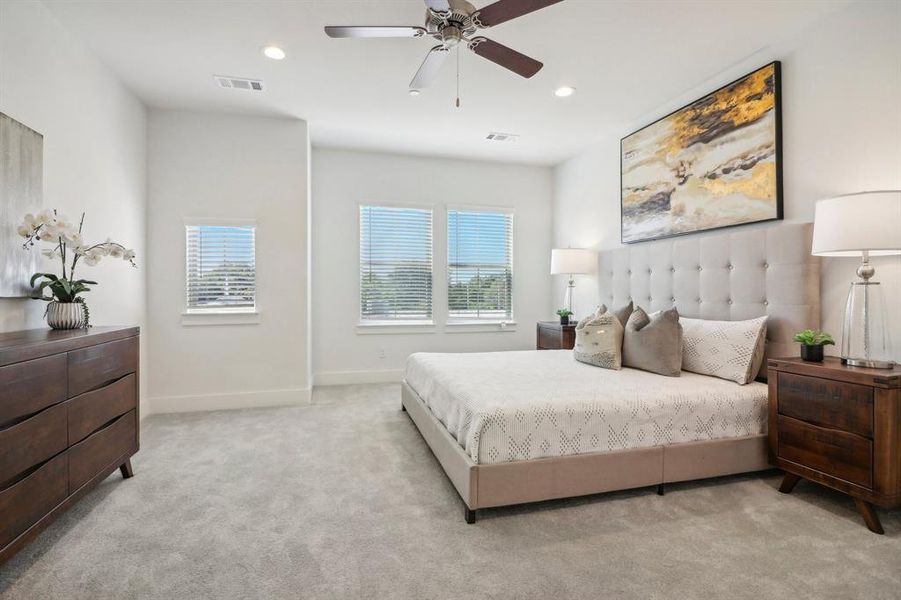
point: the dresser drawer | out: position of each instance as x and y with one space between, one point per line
96 366
89 457
837 453
26 501
32 441
834 404
91 410
30 386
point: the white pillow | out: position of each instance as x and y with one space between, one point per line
726 349
599 341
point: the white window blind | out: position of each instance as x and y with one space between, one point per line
221 268
395 264
479 265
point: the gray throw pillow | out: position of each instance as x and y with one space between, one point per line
653 345
599 341
622 313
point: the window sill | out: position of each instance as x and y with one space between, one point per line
395 327
480 327
220 317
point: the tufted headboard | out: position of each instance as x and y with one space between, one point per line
727 277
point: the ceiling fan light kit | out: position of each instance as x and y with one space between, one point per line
454 23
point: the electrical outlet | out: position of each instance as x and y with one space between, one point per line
381 353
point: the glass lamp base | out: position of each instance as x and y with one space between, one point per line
873 364
865 334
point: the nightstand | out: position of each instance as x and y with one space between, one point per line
840 427
551 335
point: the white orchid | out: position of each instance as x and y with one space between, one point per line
74 238
65 243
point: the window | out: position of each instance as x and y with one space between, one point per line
221 268
479 265
395 264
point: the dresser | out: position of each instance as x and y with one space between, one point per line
551 335
68 418
840 427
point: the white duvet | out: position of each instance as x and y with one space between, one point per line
508 406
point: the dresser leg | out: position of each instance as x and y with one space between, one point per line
125 468
869 516
789 482
660 489
469 515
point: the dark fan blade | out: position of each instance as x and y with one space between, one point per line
505 57
374 32
429 68
505 10
438 5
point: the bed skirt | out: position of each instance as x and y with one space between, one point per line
503 484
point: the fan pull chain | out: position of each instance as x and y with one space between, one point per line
458 76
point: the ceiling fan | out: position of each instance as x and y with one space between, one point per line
453 22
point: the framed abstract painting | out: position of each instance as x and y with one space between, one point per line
714 163
21 192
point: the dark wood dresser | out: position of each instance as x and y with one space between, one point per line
551 335
838 426
68 418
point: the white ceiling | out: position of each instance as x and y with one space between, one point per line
626 58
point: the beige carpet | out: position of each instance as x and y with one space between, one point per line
343 499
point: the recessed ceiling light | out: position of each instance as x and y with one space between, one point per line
565 91
415 92
274 52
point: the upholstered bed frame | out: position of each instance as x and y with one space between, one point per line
740 275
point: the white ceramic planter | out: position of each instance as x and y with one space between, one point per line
68 315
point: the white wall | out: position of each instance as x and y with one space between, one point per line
94 155
841 106
203 165
342 180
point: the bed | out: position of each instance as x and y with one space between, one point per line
517 427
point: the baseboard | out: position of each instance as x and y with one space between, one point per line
226 401
355 377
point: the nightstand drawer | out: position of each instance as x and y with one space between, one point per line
830 451
548 338
828 403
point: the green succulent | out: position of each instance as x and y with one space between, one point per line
564 312
814 337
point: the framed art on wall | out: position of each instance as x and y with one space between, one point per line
714 163
21 192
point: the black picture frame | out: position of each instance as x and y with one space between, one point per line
777 101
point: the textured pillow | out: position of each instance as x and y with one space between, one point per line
726 349
654 345
599 341
622 313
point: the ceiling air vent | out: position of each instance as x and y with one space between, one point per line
502 137
238 83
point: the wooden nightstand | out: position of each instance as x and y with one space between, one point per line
551 335
838 426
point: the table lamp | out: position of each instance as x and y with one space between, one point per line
572 261
865 224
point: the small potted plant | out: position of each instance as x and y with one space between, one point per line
812 342
66 308
564 314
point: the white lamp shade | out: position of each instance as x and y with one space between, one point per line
573 261
849 225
